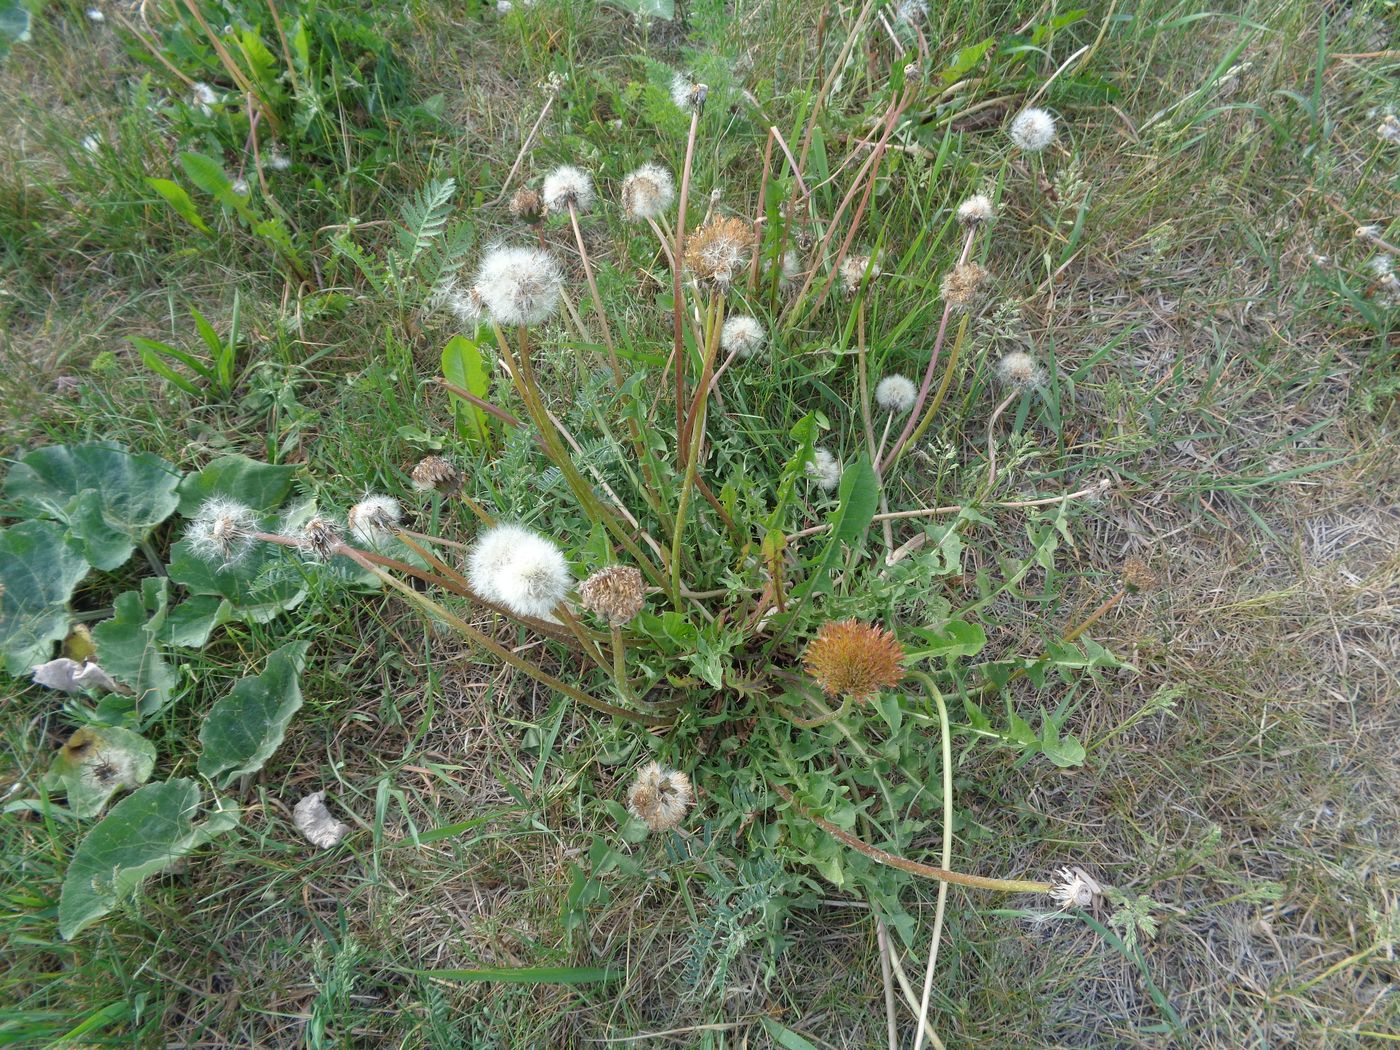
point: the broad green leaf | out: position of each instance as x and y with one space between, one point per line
96 763
191 622
463 366
128 645
261 486
108 497
966 58
244 728
1065 751
954 638
859 498
179 201
208 174
786 1037
528 974
144 833
153 355
38 571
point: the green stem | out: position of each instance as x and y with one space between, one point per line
697 437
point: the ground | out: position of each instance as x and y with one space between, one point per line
1222 349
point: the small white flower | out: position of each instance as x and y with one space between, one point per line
95 15
647 193
519 286
314 820
687 94
976 209
519 569
896 394
565 186
1033 130
742 335
824 469
222 531
374 519
92 143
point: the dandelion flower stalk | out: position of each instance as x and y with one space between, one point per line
946 860
677 254
573 189
696 422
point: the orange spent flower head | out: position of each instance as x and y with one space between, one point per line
853 659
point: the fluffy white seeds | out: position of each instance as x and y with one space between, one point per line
976 209
647 193
95 15
1020 370
742 335
277 160
519 286
1076 888
222 531
824 469
204 97
1032 130
1389 131
92 143
687 94
373 519
789 271
565 186
519 569
660 797
896 394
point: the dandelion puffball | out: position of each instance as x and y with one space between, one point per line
824 469
520 570
896 394
660 797
976 209
567 186
374 519
1020 370
687 94
1032 130
719 251
647 193
742 336
854 269
614 594
318 538
222 531
519 286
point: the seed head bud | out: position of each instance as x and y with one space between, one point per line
964 285
435 473
527 205
851 659
318 538
614 594
660 797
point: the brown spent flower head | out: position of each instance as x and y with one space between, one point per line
1076 888
660 797
853 271
319 537
434 472
615 594
963 285
853 659
1137 576
527 205
719 251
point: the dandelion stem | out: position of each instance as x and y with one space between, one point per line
893 860
992 442
947 858
696 422
678 256
597 299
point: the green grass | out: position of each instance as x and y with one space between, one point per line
1238 393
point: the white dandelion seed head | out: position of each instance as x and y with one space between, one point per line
687 94
976 209
789 270
221 532
204 96
277 160
1032 130
910 12
1383 265
95 14
374 519
896 394
318 538
519 286
1389 130
567 185
519 569
92 143
660 797
854 269
1020 370
824 469
742 335
240 186
1076 888
647 193
1367 233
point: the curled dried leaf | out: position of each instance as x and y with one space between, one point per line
314 820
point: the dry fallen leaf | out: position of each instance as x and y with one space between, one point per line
73 677
314 820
